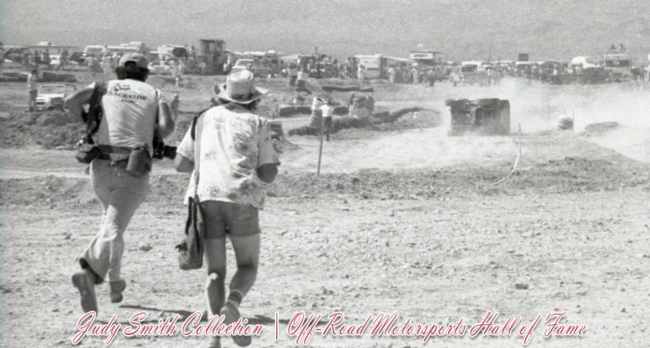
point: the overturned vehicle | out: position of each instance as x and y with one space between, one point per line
481 116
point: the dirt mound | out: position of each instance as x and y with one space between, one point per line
48 129
552 177
407 118
601 127
46 191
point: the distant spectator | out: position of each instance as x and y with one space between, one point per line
47 60
328 111
370 104
431 77
352 103
292 70
181 67
416 75
32 90
106 63
302 81
111 64
174 106
361 74
391 74
64 59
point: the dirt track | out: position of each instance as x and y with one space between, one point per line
404 220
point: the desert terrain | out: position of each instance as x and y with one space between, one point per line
403 218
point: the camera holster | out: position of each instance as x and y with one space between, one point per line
87 150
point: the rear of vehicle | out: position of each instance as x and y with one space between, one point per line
473 74
51 96
55 61
372 65
618 66
482 116
258 69
160 67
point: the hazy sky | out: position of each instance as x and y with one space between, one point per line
462 28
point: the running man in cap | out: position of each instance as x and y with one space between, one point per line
133 110
233 150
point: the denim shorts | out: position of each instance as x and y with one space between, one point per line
225 218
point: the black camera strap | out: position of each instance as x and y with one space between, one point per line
194 122
197 127
94 117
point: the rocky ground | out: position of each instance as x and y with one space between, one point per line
403 219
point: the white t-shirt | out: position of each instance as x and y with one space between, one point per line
233 145
130 109
31 82
328 111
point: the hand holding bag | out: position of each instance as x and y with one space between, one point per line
193 246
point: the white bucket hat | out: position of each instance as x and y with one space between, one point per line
239 88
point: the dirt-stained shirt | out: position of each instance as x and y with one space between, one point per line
234 143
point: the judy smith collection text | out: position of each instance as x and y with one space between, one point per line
302 328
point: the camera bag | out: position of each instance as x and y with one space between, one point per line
87 152
192 247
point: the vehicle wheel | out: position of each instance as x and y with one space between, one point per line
504 117
491 102
565 123
457 103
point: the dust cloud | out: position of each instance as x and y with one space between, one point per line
536 107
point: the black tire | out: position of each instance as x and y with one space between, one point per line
490 102
457 103
565 123
504 117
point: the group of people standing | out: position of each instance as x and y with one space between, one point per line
229 152
414 75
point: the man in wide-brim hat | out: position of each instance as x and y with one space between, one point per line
232 148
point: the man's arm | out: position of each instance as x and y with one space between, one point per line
267 158
165 122
184 161
75 101
183 164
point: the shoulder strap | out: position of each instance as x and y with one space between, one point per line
197 127
93 117
194 121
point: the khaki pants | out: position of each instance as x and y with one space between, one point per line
33 93
120 194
